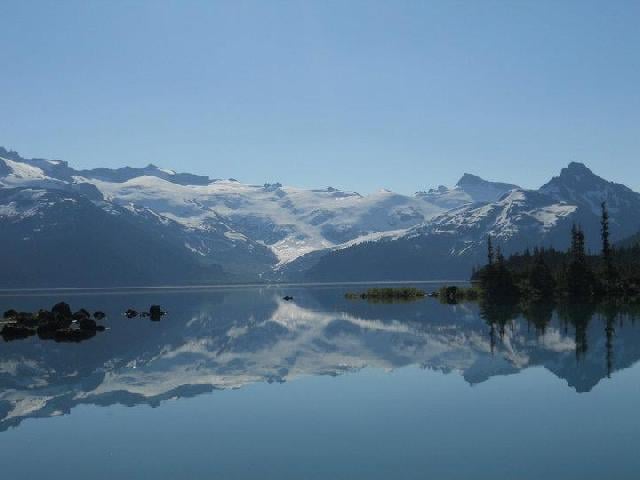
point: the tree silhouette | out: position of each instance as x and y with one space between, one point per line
610 273
580 278
541 281
489 250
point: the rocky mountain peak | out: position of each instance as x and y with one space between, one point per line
576 167
576 179
470 179
577 172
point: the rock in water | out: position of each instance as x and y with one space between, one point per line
63 309
155 312
131 313
88 324
80 314
27 319
59 324
44 316
99 315
16 332
451 294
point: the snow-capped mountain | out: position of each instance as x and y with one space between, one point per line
272 231
579 186
290 221
452 243
62 238
469 189
518 216
248 229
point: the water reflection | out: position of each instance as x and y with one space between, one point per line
228 339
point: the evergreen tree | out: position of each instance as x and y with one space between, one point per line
610 274
496 280
541 281
489 250
580 280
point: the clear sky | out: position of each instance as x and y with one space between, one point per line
359 95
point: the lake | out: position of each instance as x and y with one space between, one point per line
236 383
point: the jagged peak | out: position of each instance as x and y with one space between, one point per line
470 179
9 154
576 168
578 185
573 174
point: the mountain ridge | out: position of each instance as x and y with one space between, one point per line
276 232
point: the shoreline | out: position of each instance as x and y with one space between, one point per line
169 288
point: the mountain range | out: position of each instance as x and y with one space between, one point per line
154 226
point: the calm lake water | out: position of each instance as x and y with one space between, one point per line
238 384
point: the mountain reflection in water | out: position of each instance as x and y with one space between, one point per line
221 339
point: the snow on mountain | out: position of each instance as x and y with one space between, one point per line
292 221
469 189
289 220
15 173
61 172
21 204
452 242
578 185
275 229
519 215
62 238
211 239
449 245
526 217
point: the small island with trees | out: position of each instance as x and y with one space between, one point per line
388 294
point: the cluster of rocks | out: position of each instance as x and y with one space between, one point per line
155 313
59 324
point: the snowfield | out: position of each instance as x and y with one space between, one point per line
289 220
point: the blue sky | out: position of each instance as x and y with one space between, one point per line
359 95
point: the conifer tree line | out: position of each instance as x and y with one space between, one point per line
549 273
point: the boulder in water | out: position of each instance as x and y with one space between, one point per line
16 332
26 319
80 314
63 309
88 324
155 312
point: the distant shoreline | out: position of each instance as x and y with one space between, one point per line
221 286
